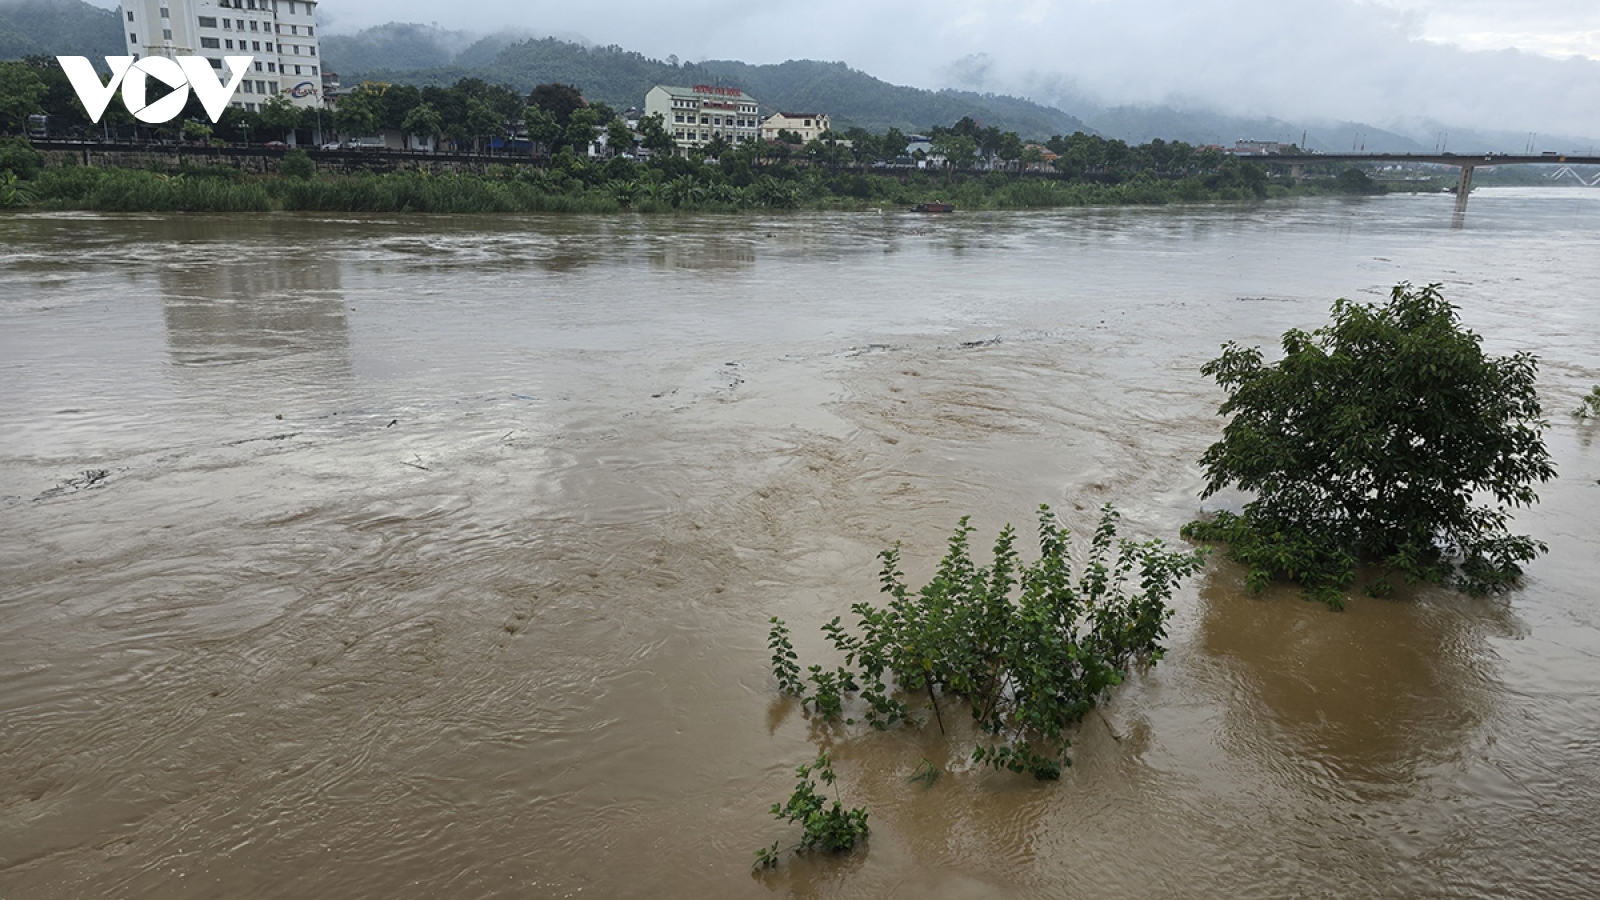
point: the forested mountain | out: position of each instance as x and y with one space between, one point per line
1139 124
852 97
58 28
394 46
621 78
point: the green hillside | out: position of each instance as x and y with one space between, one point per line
393 46
852 97
58 28
621 78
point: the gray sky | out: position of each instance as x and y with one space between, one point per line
1523 65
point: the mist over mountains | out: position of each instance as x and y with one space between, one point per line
1006 93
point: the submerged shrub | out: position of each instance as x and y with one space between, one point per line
832 829
1028 648
1372 441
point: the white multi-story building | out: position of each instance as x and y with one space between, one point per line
281 35
693 114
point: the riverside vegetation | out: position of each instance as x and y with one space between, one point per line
739 181
1371 442
1027 649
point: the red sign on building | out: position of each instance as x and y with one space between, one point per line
719 91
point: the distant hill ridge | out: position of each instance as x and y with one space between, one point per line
422 54
58 28
621 78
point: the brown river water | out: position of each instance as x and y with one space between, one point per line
412 557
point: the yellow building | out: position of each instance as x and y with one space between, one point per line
809 126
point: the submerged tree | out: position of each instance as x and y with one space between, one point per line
1388 437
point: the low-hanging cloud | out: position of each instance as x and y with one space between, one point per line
1378 61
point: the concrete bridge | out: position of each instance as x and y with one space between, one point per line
1466 163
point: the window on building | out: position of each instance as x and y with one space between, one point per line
258 67
261 87
678 118
239 24
166 13
705 120
216 63
245 86
254 25
272 67
312 50
166 34
705 136
255 45
269 46
272 87
211 43
130 15
133 38
208 21
310 32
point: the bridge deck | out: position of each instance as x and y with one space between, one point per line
1443 159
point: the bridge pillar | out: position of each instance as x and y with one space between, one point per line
1464 188
1297 172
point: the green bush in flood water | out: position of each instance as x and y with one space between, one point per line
1029 649
1370 442
832 829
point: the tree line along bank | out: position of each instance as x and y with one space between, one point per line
588 158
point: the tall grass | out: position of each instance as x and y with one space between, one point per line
125 190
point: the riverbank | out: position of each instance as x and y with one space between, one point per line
573 185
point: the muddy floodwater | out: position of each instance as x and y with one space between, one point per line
416 557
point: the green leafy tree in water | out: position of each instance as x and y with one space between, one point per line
1028 648
1372 441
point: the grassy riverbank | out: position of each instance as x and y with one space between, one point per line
572 185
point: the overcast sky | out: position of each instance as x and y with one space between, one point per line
1524 65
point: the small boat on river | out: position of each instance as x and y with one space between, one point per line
934 208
